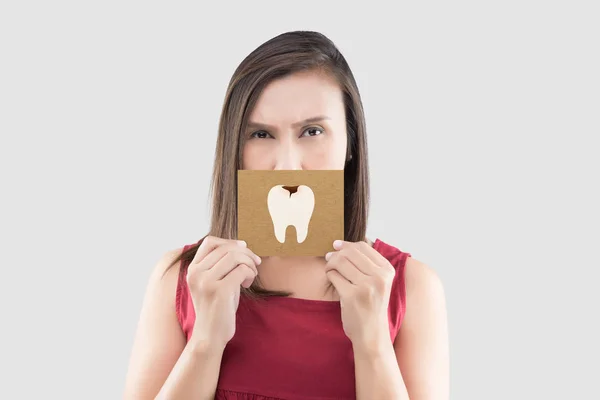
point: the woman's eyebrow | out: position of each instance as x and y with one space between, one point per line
311 120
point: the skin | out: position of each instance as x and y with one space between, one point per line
278 138
414 365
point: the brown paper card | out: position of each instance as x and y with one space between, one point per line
257 201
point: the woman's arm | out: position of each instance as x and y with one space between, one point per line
195 374
162 365
377 372
416 365
421 346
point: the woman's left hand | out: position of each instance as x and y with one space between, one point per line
363 279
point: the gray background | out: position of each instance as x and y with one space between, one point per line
483 123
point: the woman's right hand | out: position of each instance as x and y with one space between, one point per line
214 277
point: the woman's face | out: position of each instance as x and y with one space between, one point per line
298 123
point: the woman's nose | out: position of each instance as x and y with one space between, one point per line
288 157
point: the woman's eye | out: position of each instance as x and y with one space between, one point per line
260 135
312 132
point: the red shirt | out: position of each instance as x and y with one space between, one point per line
290 348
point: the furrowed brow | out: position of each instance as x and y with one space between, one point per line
311 120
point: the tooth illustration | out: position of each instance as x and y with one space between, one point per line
291 205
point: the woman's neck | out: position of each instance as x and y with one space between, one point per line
304 277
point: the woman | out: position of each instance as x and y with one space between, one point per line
365 321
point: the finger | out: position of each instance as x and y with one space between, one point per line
209 243
358 259
364 248
341 284
230 261
346 268
217 254
241 274
248 282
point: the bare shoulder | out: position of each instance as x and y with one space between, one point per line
422 346
161 287
166 264
421 279
159 339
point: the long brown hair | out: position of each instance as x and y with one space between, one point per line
280 56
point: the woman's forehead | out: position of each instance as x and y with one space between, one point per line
298 97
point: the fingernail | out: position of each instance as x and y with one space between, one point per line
337 244
328 256
258 260
242 243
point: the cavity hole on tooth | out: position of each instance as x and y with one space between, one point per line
291 189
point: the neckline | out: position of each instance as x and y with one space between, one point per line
299 302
